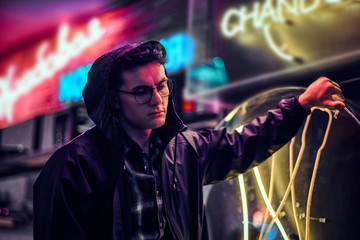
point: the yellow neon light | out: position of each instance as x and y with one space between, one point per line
273 46
232 12
271 190
244 206
290 7
235 20
293 174
313 177
272 212
310 8
333 1
293 195
292 178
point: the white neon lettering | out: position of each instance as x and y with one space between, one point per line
231 13
254 15
290 7
268 11
235 19
310 8
273 46
46 66
242 16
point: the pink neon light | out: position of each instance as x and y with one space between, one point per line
29 76
13 88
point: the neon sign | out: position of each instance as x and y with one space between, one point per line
235 20
12 88
180 51
210 75
72 84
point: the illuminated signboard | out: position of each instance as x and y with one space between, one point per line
37 76
261 15
208 76
47 64
262 37
180 51
72 84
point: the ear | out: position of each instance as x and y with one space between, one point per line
113 100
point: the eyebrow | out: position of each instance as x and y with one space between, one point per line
145 86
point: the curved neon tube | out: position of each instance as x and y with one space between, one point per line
271 188
273 46
244 206
272 212
293 196
292 179
311 189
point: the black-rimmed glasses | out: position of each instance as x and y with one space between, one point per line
144 94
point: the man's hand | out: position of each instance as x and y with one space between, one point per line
322 93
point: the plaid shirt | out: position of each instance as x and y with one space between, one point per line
147 210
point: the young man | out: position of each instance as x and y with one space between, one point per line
138 174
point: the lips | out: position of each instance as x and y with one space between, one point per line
156 113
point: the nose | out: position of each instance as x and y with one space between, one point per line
156 98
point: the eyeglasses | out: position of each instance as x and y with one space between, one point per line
144 94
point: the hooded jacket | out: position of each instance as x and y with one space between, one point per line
82 191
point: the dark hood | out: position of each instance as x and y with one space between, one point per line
95 96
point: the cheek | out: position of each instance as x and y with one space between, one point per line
134 112
166 102
129 109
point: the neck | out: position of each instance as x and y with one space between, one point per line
140 136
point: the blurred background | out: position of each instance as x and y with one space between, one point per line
220 53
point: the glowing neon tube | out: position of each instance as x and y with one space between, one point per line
312 183
272 212
292 191
271 190
294 172
244 206
273 46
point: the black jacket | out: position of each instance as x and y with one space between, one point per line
82 192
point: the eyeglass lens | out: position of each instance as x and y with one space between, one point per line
143 95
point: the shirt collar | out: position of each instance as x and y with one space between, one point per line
131 147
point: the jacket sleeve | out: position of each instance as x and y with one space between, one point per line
224 156
63 198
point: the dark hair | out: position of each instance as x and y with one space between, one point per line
135 55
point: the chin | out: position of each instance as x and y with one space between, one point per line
158 123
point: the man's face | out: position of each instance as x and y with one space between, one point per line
146 116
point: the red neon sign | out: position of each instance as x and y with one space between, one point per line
29 79
17 91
